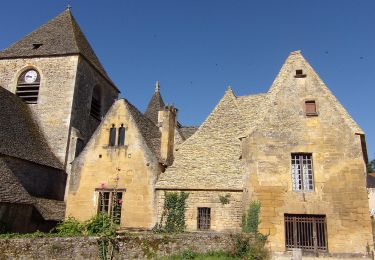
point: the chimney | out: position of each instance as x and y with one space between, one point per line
167 123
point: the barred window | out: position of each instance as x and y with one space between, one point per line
28 86
204 218
307 232
302 172
110 202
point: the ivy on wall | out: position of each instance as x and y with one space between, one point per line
173 213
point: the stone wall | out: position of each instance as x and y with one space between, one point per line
141 246
224 217
54 107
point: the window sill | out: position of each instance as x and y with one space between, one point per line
115 146
312 114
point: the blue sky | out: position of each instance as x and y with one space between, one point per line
196 48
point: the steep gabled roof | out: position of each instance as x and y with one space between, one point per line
59 36
155 105
148 129
211 157
50 209
19 133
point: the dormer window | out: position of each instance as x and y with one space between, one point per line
299 74
310 108
28 86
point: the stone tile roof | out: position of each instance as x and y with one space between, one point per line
19 133
50 209
148 129
211 157
11 190
59 36
187 131
154 106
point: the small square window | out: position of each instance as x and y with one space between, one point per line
310 108
299 74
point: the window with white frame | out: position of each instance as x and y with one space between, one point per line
302 172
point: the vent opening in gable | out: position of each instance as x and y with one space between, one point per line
37 45
299 74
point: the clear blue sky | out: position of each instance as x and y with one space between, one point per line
197 48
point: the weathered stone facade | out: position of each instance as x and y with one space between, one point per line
332 138
134 164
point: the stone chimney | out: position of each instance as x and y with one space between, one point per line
167 123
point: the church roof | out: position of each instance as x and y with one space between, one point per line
59 36
11 190
20 135
155 105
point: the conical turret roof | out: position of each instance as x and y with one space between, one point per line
155 105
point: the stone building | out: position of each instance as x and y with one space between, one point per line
59 92
32 178
295 149
56 72
124 158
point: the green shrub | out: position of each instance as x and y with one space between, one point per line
250 221
70 227
249 247
100 225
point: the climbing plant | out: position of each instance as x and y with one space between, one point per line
250 220
173 213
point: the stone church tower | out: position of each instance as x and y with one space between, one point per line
56 72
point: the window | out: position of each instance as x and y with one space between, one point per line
302 172
299 74
121 135
204 218
112 136
310 108
307 232
110 202
96 107
79 146
28 86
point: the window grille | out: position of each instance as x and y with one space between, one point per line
121 135
204 218
307 232
302 172
112 136
28 86
110 202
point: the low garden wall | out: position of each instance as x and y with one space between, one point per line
129 246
